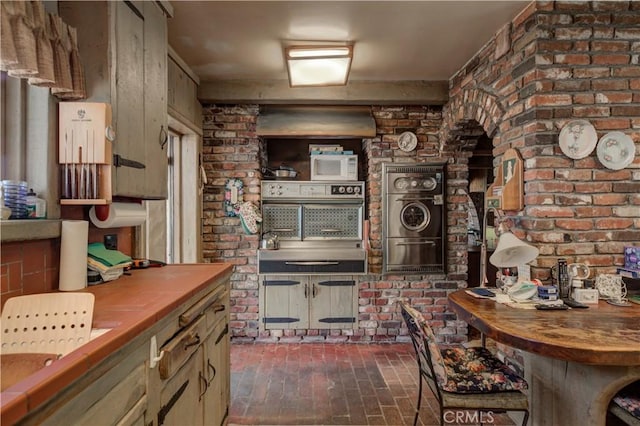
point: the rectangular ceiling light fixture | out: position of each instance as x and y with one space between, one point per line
318 65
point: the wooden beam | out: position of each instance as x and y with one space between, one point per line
354 93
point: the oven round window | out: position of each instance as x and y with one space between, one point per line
415 216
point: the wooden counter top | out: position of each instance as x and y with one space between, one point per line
128 306
603 334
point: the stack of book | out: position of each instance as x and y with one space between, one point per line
548 292
110 264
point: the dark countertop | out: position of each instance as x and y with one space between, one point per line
128 306
601 335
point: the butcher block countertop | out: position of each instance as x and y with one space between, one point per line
127 306
603 334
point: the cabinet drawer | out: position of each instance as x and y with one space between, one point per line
217 311
181 347
202 305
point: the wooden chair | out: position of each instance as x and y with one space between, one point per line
463 379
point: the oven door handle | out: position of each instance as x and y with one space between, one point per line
282 229
312 263
331 230
414 199
414 243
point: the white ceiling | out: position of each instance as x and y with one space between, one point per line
394 40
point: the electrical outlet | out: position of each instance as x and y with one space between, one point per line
111 241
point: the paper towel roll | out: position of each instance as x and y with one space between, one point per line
120 214
73 255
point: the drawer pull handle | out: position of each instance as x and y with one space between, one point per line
212 368
192 341
203 382
224 332
218 308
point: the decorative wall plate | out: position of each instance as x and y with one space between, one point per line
578 138
616 150
408 141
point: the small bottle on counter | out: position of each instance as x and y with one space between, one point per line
36 207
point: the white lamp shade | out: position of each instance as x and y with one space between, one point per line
512 251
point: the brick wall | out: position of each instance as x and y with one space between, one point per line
556 62
553 63
231 149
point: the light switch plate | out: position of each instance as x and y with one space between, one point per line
111 242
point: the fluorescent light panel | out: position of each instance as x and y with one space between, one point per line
318 65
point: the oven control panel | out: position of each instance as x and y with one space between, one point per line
312 190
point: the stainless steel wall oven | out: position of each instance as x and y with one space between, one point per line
414 218
318 224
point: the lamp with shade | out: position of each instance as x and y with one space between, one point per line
509 252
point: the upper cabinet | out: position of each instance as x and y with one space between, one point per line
182 92
123 47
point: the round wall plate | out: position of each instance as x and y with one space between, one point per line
616 150
408 141
578 138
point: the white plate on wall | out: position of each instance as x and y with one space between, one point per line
578 138
616 150
407 141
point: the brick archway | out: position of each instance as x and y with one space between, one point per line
467 116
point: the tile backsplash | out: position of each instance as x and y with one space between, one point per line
33 266
29 267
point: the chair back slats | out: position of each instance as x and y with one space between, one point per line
424 348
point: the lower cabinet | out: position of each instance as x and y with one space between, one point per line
216 362
308 301
190 385
118 397
193 373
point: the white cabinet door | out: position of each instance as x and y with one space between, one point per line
308 302
124 49
155 101
333 302
285 301
216 371
128 100
181 396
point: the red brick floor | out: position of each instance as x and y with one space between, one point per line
328 384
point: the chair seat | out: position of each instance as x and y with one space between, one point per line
508 400
476 370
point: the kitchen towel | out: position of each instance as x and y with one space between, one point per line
107 257
73 255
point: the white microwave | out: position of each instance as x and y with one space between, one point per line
334 167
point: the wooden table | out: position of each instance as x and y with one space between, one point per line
575 360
